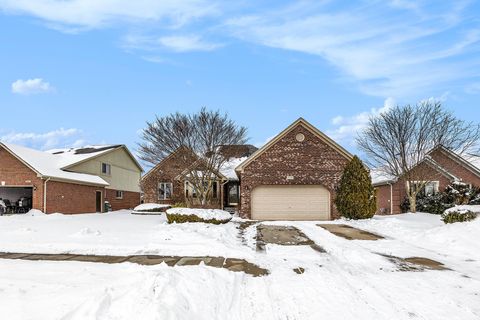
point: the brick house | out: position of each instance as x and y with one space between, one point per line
440 167
76 180
292 177
167 182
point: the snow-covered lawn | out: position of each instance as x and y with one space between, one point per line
349 281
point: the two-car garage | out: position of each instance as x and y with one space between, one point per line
293 176
290 202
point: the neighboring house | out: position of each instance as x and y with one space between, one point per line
441 166
292 177
76 180
167 182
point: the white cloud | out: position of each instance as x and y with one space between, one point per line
473 88
175 43
31 86
90 14
347 128
47 140
187 43
384 50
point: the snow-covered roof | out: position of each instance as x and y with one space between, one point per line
69 156
379 176
50 165
473 159
228 168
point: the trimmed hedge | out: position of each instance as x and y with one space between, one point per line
182 218
155 210
458 216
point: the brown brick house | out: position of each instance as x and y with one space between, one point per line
75 180
167 182
292 177
440 167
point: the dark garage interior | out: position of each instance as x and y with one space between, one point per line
15 199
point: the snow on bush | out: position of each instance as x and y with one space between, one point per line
461 213
464 208
181 215
151 207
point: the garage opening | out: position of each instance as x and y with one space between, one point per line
290 202
15 199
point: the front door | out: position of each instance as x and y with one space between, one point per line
99 201
232 194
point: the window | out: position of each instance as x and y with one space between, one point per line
430 188
106 169
215 190
165 190
119 194
190 190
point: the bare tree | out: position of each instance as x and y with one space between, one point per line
399 140
203 133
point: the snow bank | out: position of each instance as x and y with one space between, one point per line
35 213
206 214
151 207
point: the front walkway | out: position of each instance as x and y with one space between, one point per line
232 264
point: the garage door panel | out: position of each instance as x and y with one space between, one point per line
291 202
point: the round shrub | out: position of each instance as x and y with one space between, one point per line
458 216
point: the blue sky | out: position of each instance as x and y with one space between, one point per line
87 71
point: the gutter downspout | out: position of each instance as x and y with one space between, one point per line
223 194
391 198
45 195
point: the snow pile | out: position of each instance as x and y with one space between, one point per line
151 207
35 213
205 214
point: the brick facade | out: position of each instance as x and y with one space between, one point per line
455 167
129 201
399 192
166 171
310 162
14 173
61 196
69 198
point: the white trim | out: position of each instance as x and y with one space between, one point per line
44 196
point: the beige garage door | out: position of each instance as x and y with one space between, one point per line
290 203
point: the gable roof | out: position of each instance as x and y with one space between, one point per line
470 162
300 121
48 165
187 171
178 150
73 156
